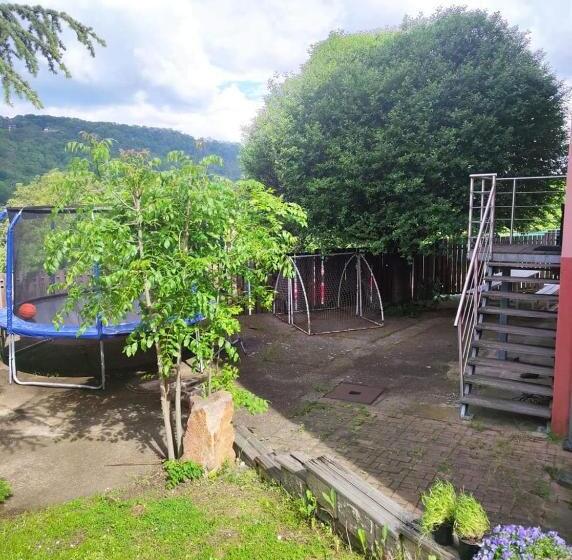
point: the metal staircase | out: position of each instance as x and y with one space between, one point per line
506 318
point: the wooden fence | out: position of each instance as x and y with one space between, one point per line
441 272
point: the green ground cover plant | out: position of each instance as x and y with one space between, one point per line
178 472
5 490
233 516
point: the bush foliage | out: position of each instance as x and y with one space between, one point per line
377 134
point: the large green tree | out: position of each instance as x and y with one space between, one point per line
29 35
378 132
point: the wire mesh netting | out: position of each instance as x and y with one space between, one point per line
33 297
329 293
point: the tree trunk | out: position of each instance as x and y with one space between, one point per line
166 409
178 413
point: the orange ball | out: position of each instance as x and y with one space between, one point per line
27 311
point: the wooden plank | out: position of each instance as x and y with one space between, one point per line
508 385
360 484
371 503
532 313
515 348
496 263
518 330
287 461
505 366
516 407
522 280
540 298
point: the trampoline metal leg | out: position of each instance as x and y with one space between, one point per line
13 372
102 362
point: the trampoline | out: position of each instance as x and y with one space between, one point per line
31 307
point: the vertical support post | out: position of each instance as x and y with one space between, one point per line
482 206
290 313
102 362
470 231
492 215
563 362
360 289
512 207
357 285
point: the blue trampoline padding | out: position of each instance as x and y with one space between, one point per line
28 328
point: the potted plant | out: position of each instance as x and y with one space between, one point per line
438 511
470 525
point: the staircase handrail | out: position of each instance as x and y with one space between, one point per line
476 249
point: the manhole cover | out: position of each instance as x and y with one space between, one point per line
354 392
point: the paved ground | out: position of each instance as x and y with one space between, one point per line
412 433
58 444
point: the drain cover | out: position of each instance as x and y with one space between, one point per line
354 392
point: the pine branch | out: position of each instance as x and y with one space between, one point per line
33 33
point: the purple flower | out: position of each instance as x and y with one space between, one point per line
515 542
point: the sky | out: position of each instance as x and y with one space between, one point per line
202 66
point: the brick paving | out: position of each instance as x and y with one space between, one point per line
412 434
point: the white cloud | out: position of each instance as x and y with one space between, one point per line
222 118
200 66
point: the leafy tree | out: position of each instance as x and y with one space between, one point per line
30 33
175 241
377 134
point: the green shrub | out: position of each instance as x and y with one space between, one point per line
181 471
439 505
5 490
471 521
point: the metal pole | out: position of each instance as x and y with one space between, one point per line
482 197
512 210
357 285
102 361
471 194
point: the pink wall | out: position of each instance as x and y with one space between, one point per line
563 364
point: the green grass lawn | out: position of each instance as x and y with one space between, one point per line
234 516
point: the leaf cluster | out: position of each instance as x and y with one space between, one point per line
5 490
178 472
29 34
171 242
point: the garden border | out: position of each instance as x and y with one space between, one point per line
358 507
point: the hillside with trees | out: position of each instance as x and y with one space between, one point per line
377 134
31 145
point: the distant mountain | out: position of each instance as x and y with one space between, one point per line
31 145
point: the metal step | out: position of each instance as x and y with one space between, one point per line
509 367
514 264
517 296
515 348
510 312
509 385
514 329
520 280
508 405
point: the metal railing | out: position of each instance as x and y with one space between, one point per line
480 254
520 203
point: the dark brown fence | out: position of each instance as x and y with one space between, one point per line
441 272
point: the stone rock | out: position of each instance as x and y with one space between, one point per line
209 435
